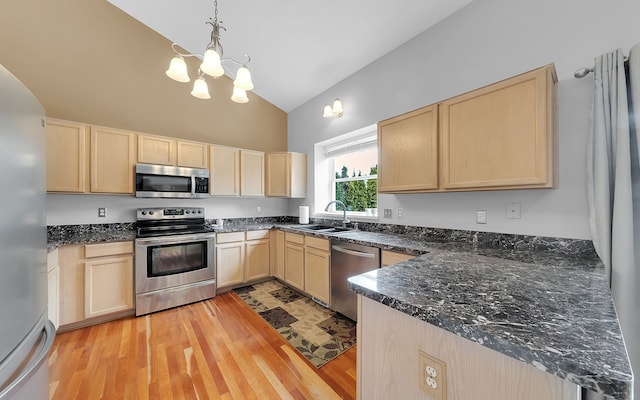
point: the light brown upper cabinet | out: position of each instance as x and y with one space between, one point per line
113 158
501 136
224 171
286 174
193 154
408 152
67 156
251 173
156 150
168 151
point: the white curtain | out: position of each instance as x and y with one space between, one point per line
614 187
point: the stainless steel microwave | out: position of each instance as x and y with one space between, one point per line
171 182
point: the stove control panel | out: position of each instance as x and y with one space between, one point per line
170 213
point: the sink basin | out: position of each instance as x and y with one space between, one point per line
323 228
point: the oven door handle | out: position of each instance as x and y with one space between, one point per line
162 240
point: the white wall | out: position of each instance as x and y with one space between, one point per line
83 209
487 41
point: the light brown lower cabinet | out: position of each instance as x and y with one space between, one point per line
96 283
393 257
108 279
53 288
316 268
242 257
277 255
294 260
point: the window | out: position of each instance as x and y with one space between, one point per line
346 170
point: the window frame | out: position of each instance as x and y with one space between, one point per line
325 173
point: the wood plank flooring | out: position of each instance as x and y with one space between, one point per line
215 349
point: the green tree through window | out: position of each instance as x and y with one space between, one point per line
357 192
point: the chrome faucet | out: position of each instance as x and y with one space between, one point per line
345 221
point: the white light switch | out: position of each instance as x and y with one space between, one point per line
481 217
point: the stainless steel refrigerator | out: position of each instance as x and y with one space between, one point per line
26 334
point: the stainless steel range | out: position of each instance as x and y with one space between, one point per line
174 258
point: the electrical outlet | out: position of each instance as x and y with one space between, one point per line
102 212
513 210
259 210
400 213
388 213
432 374
481 217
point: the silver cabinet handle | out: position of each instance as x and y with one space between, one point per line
353 252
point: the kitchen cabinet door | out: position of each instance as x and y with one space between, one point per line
224 171
501 136
251 173
278 259
257 259
71 261
286 175
113 159
230 263
108 285
67 156
294 265
156 150
53 288
408 152
193 154
316 274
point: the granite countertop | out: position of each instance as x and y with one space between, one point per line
552 312
543 301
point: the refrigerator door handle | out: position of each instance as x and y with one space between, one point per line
34 364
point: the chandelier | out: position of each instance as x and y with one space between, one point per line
212 65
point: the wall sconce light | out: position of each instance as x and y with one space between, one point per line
333 110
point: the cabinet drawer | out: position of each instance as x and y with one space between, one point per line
230 237
255 235
318 243
108 249
294 238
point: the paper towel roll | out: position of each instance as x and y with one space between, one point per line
303 214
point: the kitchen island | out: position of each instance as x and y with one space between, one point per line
508 324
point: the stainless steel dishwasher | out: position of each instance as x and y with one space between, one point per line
348 259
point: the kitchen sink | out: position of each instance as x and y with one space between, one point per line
323 228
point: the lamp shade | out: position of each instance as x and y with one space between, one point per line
239 95
327 113
178 70
243 79
211 64
337 108
200 89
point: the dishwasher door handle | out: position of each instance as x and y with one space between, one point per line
353 252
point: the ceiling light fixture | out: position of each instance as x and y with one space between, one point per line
212 65
333 110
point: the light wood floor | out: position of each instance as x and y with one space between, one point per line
216 349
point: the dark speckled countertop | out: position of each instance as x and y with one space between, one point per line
543 301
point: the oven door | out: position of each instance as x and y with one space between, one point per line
169 261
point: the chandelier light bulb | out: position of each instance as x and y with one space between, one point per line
243 79
200 89
211 64
178 70
239 95
337 108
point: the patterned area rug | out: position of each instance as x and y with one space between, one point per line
319 334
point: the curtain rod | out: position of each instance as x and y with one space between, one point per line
582 72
